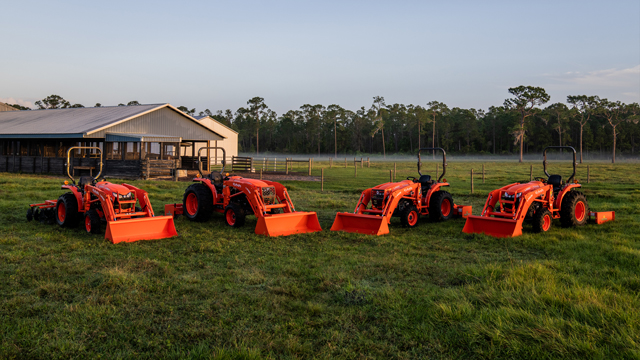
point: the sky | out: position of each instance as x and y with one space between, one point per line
217 55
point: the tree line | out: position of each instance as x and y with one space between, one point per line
522 124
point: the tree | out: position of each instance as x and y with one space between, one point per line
333 113
19 107
186 110
206 112
53 102
97 105
378 103
585 106
76 106
526 99
257 108
133 103
561 113
614 113
436 108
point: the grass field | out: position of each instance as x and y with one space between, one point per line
428 292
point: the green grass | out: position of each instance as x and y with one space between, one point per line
428 292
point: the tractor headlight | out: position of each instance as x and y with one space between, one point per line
125 197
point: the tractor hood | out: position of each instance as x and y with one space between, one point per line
253 182
110 188
393 186
523 188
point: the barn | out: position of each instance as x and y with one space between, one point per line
229 143
136 141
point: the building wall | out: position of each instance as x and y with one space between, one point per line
230 144
164 121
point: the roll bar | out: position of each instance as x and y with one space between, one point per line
544 162
224 157
68 164
444 160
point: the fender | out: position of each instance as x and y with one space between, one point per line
563 192
435 187
77 194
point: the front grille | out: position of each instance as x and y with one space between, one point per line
269 195
377 198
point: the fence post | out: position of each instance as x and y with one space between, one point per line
175 170
483 173
309 167
588 174
322 179
355 174
330 163
472 181
361 164
390 175
311 163
260 174
147 170
368 162
286 162
531 173
394 171
345 163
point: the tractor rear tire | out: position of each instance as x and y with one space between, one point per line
92 222
409 216
66 212
197 202
542 220
440 206
574 210
30 214
234 215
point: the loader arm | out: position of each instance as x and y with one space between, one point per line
143 199
105 203
365 197
394 199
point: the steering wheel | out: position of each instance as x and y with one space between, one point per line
412 178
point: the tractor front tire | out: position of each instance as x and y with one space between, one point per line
574 210
197 202
409 216
234 215
92 222
67 210
440 206
542 220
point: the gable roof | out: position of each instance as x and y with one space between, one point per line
75 122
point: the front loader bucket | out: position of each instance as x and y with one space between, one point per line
146 228
359 223
298 222
492 226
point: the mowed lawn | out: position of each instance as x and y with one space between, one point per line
429 292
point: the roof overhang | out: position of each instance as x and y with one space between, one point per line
122 137
41 136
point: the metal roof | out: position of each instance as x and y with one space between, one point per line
73 122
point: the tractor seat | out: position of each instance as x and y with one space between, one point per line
556 181
85 180
216 178
425 182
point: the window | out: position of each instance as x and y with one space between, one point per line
152 150
132 151
49 149
169 151
113 150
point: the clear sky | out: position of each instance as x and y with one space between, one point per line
217 55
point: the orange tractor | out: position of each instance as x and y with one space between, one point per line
539 202
237 197
407 199
99 202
